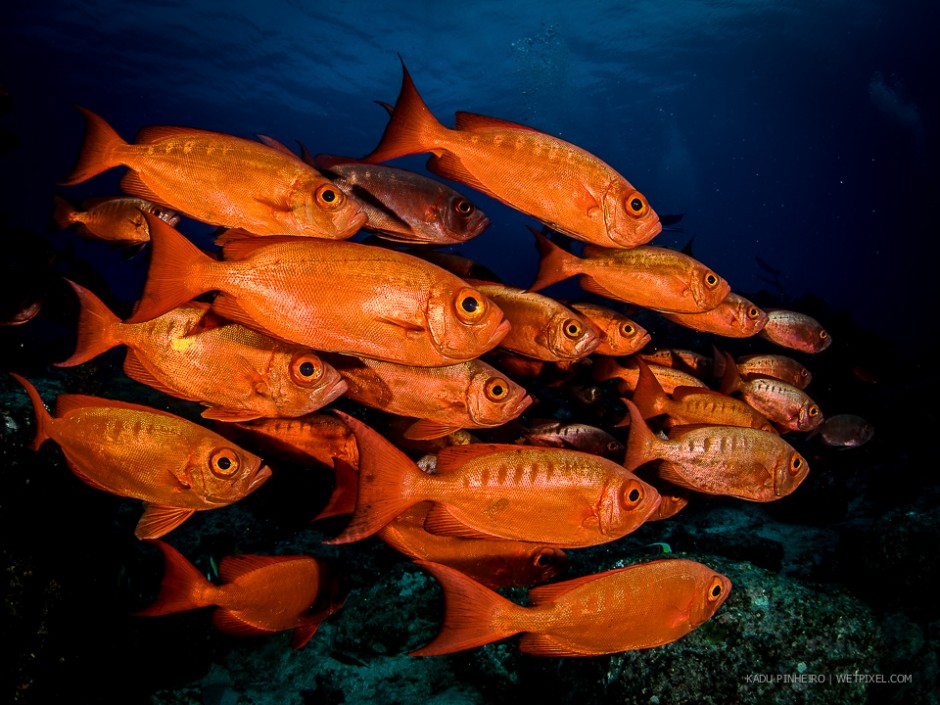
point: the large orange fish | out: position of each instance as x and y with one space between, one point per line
333 296
735 317
493 563
734 461
239 373
175 466
652 277
470 394
542 328
543 495
221 179
621 334
636 607
556 182
258 595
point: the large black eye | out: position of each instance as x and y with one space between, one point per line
573 329
796 463
463 207
223 463
327 195
753 312
636 205
543 560
496 389
306 369
716 589
711 280
627 329
470 305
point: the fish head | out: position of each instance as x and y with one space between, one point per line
791 469
541 563
299 382
459 219
626 504
749 317
625 337
571 337
322 209
222 473
628 217
809 416
462 321
708 288
492 398
711 589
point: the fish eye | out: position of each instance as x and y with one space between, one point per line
796 463
463 207
496 389
627 329
223 463
328 196
711 280
471 306
306 369
572 329
544 559
804 373
636 205
612 446
716 589
823 335
753 312
813 411
632 494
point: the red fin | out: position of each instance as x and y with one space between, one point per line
135 368
605 368
97 328
731 378
133 184
641 441
158 521
328 161
546 645
233 567
217 413
411 129
649 395
181 585
177 272
226 306
67 403
65 213
555 265
97 153
43 418
441 522
426 430
590 285
230 623
472 613
345 491
449 166
385 474
472 122
276 144
306 156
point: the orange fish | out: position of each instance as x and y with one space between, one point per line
258 595
404 206
734 461
496 564
693 405
554 181
671 503
470 394
779 367
332 296
175 466
735 317
636 607
653 277
628 375
621 335
221 179
238 373
317 438
543 495
694 363
796 331
778 401
116 219
542 328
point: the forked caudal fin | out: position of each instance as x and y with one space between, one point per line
98 150
555 265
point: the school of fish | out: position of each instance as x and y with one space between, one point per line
463 465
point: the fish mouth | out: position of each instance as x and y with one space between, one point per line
501 331
264 472
354 224
649 229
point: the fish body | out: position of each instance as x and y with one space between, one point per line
175 466
577 436
496 564
469 394
542 328
550 179
404 206
333 296
734 317
117 219
652 277
550 496
628 375
621 335
689 361
239 373
637 607
779 367
221 179
258 594
797 331
734 461
316 438
845 431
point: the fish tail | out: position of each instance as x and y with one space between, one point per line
183 587
606 367
65 213
648 395
97 328
43 417
473 614
98 151
641 443
555 264
412 127
176 272
385 474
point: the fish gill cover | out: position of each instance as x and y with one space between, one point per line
786 149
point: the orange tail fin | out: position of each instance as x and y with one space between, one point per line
65 213
471 613
641 444
43 418
385 474
98 151
97 328
649 396
183 587
555 265
177 269
412 127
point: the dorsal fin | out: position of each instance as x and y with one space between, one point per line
233 567
470 122
67 403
